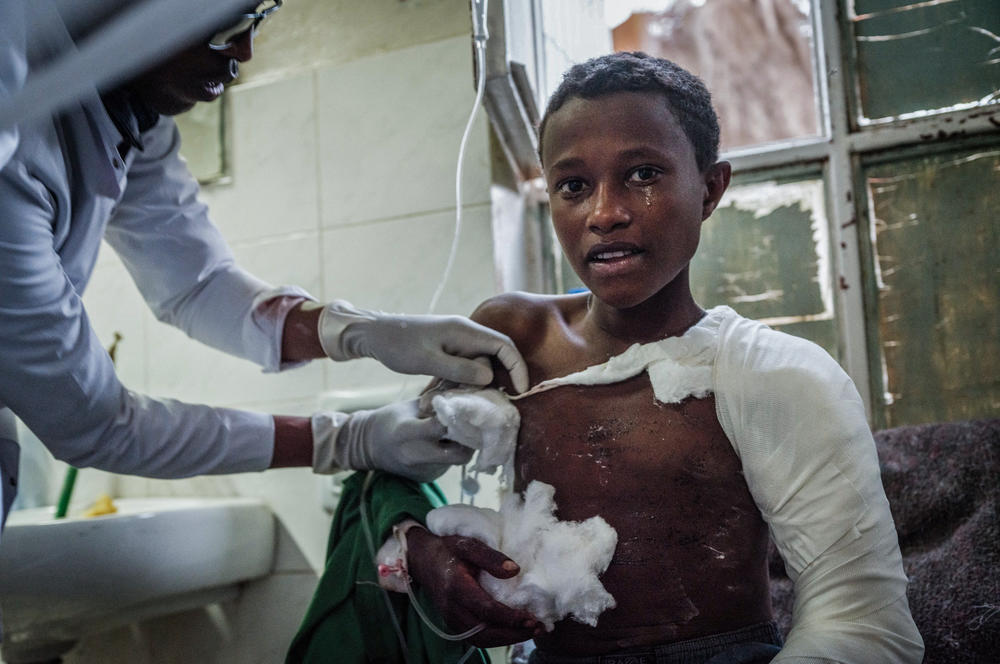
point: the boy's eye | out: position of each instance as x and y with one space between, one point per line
570 187
644 175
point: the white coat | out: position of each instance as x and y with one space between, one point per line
63 190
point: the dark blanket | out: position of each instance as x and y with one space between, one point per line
943 485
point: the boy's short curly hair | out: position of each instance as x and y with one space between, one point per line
635 71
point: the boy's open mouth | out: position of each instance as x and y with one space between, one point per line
612 252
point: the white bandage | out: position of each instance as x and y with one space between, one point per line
390 560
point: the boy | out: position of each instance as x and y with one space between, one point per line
770 437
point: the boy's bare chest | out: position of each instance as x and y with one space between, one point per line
667 479
601 441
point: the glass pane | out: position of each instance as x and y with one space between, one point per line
755 57
919 56
202 140
937 246
766 253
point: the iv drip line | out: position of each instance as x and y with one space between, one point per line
480 37
370 541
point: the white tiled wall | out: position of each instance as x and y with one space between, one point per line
343 183
391 132
275 190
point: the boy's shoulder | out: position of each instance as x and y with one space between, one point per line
755 351
751 334
522 315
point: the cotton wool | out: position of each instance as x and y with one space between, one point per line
484 420
561 561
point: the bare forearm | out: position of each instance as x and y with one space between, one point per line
293 442
300 337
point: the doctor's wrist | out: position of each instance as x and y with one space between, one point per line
293 442
300 335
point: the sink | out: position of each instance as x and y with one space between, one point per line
62 579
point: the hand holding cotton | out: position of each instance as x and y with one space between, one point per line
560 560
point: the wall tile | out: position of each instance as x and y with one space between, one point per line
121 645
390 131
114 304
325 31
205 486
198 635
292 258
255 628
288 557
396 266
294 494
273 150
268 614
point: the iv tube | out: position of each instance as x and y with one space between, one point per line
480 37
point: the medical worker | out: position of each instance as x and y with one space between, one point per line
108 168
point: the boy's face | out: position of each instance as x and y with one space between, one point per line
626 194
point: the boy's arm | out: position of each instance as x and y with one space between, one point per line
448 568
800 430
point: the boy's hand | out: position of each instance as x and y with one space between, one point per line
447 568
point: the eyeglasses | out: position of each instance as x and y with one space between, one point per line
223 39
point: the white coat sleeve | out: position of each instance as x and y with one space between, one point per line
13 68
182 265
799 427
56 376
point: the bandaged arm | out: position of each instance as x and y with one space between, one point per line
798 425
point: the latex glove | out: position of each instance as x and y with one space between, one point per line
448 567
450 347
392 438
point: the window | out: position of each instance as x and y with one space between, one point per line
766 252
915 57
934 296
866 152
755 57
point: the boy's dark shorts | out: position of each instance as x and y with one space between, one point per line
754 644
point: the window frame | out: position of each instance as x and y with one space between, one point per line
840 149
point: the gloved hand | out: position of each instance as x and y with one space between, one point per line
449 347
392 438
